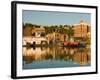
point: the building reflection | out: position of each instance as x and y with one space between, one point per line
82 57
77 55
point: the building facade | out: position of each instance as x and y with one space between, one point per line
37 37
81 30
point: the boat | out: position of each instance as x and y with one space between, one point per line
73 44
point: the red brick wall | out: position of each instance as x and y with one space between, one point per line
80 30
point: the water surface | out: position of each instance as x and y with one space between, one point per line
55 57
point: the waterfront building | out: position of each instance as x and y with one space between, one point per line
37 36
38 32
81 30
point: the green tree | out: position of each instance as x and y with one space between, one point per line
70 32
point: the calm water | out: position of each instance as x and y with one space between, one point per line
55 57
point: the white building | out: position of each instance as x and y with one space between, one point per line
38 37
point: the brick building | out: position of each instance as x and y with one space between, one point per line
81 29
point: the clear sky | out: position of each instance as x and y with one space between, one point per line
54 18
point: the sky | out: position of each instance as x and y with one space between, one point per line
54 18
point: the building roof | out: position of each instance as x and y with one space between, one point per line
82 22
38 30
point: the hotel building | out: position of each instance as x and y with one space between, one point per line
81 30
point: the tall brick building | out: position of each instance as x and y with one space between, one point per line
81 29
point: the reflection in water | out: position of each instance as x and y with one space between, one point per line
49 57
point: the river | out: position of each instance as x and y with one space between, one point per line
55 57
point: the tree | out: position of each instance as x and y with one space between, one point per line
70 32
